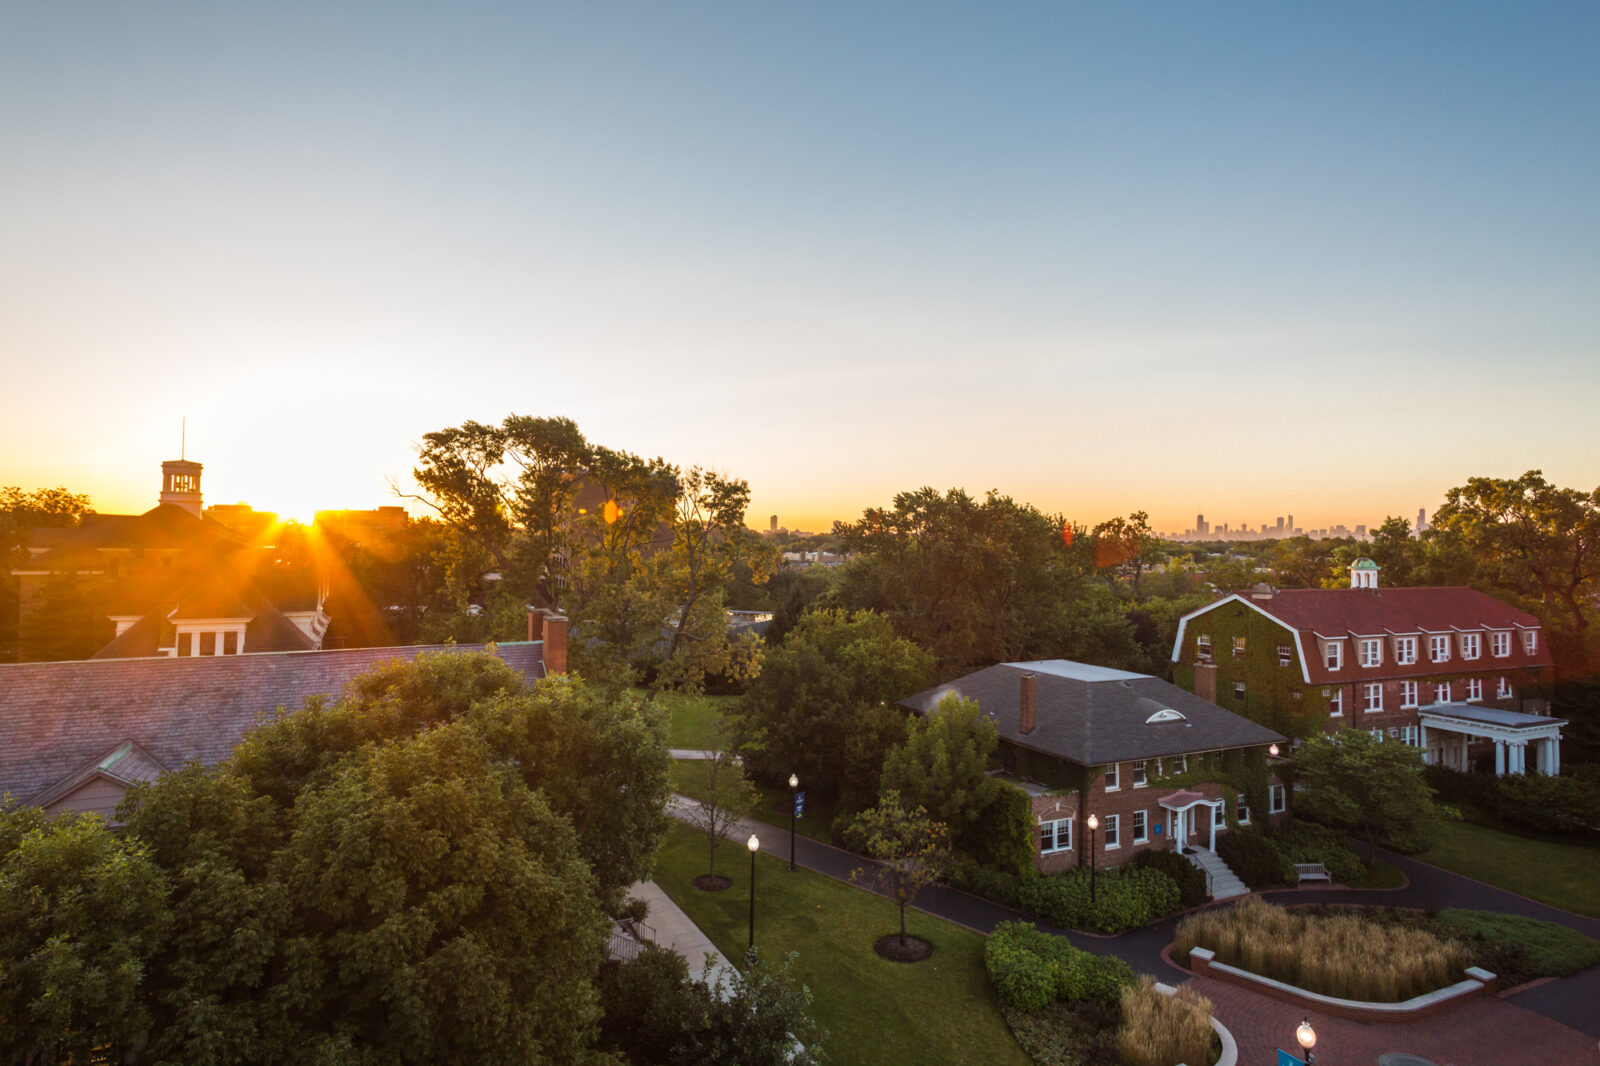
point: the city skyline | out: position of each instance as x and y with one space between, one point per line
1100 260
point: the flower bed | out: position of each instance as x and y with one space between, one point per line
1343 955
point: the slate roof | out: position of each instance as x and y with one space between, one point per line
1352 613
1092 715
56 718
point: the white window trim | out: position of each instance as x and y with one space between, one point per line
1474 690
1113 778
1436 643
1405 651
1058 823
1500 645
1502 688
1410 693
1140 837
1445 685
1141 774
1471 646
1530 641
1336 704
1333 656
1112 828
1367 705
1277 799
1371 652
1241 803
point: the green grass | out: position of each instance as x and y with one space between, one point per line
689 778
1381 875
1562 875
941 1010
693 720
1552 950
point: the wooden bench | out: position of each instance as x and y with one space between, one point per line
1312 871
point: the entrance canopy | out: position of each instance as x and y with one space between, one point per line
1512 732
1180 820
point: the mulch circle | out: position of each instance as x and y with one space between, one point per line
708 883
915 949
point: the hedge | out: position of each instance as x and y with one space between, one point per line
1190 879
1565 806
1030 969
1125 897
1302 841
1254 858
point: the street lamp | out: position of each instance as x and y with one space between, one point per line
1094 823
1273 751
794 785
754 845
1307 1037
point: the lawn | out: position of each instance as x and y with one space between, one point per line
1562 875
942 1010
693 720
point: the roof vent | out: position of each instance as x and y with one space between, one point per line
1262 591
1166 714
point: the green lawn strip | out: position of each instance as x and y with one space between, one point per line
1552 950
689 778
1382 875
941 1010
693 720
1562 875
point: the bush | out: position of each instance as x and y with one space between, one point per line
1254 858
1190 879
1124 898
1001 886
1031 968
1158 1029
1302 841
1001 837
1564 806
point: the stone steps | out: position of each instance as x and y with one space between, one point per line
1225 884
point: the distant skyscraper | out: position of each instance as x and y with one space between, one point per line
1280 525
1200 524
1422 519
774 523
1361 532
1291 525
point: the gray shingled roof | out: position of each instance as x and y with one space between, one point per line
56 717
1092 715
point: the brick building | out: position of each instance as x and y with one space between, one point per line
1158 767
1448 670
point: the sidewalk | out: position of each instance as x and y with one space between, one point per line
674 930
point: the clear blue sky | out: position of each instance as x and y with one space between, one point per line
1244 259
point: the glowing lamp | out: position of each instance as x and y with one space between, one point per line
1306 1035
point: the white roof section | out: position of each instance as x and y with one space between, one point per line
1076 671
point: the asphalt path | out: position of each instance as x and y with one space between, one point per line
1573 1001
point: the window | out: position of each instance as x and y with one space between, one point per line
1055 836
1112 836
1335 701
1139 775
1377 734
1500 644
1141 828
1502 688
1277 799
1219 817
1405 650
1441 692
1474 689
1238 647
1238 690
1285 656
1439 648
1471 644
1202 646
1241 810
1530 641
1408 735
1373 696
1183 764
1334 654
1408 694
1112 783
1371 652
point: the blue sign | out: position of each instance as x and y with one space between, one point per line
1286 1059
1158 828
799 804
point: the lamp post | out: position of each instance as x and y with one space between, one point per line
1273 751
754 845
794 786
1094 823
1307 1037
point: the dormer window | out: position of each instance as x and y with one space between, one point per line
1500 644
1405 650
1334 655
1371 652
1439 648
1471 645
1530 640
1166 714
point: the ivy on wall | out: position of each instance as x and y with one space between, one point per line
1237 770
1269 689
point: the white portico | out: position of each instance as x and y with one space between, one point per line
1523 743
1183 809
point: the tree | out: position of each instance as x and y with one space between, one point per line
943 766
81 912
912 851
1534 542
725 797
1127 547
822 705
1354 782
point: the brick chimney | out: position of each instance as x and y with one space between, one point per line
552 631
1205 681
1028 707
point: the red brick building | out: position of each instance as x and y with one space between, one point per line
1150 762
1447 670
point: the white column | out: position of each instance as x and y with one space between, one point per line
1552 765
1519 751
1212 811
1499 758
1466 754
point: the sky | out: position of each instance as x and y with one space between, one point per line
1243 259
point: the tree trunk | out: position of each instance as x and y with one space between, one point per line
902 925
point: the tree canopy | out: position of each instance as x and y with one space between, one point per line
1355 782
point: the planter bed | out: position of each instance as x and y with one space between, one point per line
1476 983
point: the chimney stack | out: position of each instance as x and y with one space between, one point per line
552 632
1205 681
1028 716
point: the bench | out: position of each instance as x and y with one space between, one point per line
1312 871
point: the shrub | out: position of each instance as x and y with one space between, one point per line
1001 837
1343 955
1567 805
1031 968
1000 886
1124 898
1158 1029
1190 879
1302 841
1254 858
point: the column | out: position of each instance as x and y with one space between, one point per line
1552 765
1499 758
1211 812
1466 754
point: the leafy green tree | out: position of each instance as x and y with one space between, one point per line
68 619
823 704
725 797
944 763
81 912
1374 790
912 851
1126 547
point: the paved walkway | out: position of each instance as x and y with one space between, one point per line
674 929
1500 1033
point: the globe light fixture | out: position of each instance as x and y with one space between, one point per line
754 845
1273 751
794 812
1307 1037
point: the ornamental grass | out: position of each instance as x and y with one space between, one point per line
1345 955
1162 1030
